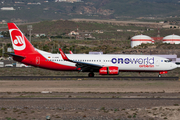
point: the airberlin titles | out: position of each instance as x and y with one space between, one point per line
147 62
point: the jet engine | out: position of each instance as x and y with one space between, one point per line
112 70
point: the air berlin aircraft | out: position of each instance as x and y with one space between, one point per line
105 64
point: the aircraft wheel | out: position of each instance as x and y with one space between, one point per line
91 74
159 75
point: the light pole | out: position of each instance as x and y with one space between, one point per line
2 49
29 28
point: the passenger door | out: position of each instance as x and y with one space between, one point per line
37 60
157 62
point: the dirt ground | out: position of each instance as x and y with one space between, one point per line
89 100
90 109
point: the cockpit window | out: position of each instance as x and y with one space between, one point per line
167 60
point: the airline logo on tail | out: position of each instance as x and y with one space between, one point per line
17 39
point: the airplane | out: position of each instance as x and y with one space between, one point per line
105 64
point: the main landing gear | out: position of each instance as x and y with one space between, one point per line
91 74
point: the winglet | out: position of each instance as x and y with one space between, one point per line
70 52
63 55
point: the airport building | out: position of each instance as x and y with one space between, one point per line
139 39
7 8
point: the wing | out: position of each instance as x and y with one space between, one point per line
81 66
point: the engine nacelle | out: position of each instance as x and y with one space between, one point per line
112 70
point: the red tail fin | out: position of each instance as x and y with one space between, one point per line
20 43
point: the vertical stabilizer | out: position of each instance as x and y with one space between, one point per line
20 43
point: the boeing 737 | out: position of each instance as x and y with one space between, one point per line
105 64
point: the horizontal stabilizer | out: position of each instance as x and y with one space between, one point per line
12 54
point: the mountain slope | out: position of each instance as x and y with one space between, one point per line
99 9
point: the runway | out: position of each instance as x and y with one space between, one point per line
21 99
83 78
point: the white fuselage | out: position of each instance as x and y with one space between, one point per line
123 62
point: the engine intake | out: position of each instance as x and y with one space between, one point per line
112 70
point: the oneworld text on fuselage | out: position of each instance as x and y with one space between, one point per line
147 60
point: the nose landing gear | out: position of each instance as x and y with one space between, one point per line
163 72
159 75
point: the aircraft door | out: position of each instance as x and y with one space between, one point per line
103 61
38 60
171 64
157 62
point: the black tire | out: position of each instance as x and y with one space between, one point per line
91 74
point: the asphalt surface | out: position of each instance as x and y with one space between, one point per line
83 78
90 99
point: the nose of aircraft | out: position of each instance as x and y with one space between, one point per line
174 65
